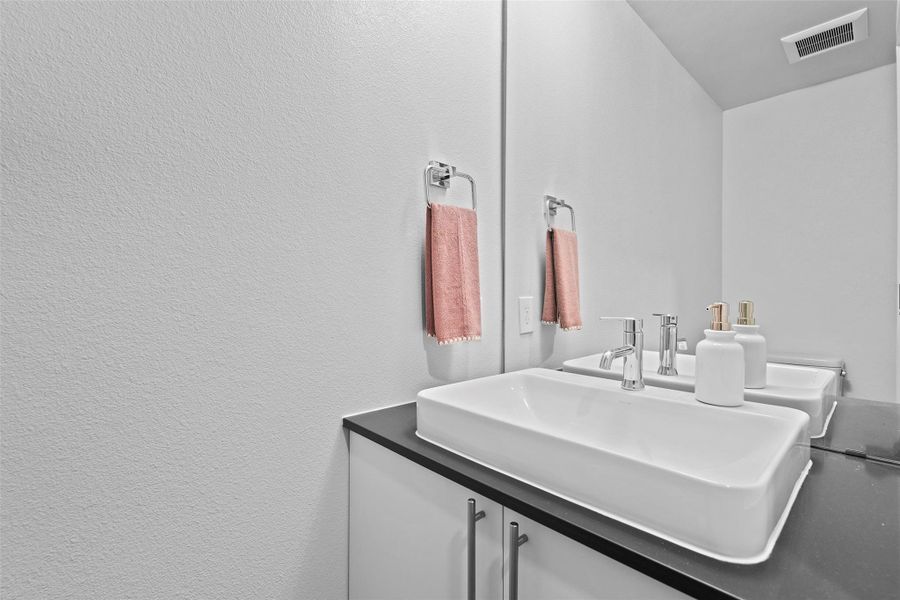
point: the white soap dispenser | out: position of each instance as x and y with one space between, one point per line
754 345
720 362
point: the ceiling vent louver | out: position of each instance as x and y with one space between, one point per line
836 33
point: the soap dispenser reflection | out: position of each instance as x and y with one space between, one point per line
754 345
720 362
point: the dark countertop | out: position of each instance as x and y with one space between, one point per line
841 539
866 426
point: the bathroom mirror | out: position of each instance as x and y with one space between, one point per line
701 166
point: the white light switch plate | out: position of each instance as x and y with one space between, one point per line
526 314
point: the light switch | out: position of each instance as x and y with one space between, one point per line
526 314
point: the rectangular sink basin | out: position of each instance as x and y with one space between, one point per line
719 481
811 390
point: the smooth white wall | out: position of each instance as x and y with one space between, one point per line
601 114
810 222
212 229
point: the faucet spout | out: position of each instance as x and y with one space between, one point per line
607 358
633 351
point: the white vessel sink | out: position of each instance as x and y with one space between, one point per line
719 481
810 390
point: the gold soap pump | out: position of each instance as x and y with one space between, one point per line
745 313
719 369
719 311
754 345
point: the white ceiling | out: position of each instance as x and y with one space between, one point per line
733 49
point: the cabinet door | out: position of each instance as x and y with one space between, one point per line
408 531
554 566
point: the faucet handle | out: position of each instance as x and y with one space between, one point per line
632 324
666 319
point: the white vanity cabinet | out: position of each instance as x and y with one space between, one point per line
408 539
550 565
408 531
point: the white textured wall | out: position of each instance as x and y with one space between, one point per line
601 114
810 222
211 250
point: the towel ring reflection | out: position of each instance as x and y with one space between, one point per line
552 205
438 174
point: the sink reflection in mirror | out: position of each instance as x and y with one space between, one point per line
812 391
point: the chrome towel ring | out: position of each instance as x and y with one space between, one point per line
552 205
438 174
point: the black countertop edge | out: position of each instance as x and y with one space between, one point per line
637 561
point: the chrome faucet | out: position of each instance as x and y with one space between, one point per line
668 343
633 351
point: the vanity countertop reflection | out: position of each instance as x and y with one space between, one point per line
841 540
866 426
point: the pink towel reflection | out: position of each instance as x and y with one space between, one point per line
562 303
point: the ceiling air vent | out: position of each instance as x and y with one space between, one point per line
836 33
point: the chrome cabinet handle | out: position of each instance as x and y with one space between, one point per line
474 517
515 540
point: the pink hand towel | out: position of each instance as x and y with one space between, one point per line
562 303
452 290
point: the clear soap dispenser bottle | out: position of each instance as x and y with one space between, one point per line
754 345
720 362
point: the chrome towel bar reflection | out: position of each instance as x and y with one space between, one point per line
438 174
552 205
